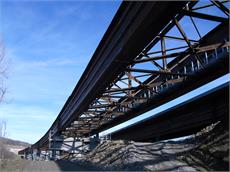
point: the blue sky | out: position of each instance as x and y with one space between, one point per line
48 44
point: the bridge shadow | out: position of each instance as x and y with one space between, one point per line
207 152
200 159
65 165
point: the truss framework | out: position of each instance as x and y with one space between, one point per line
159 66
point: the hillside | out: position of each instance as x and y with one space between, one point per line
7 141
9 148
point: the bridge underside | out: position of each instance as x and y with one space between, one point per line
182 120
154 77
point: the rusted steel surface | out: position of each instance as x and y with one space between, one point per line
211 71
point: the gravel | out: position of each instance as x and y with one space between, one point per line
207 150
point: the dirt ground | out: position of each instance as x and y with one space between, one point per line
208 150
41 166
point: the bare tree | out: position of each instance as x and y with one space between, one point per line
2 128
2 71
2 87
4 152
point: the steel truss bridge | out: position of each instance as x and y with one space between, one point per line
180 120
151 53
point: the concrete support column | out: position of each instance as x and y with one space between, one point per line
31 154
73 145
38 154
46 155
54 154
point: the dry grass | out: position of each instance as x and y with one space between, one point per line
9 161
16 165
5 153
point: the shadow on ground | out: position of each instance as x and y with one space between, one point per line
208 150
65 165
